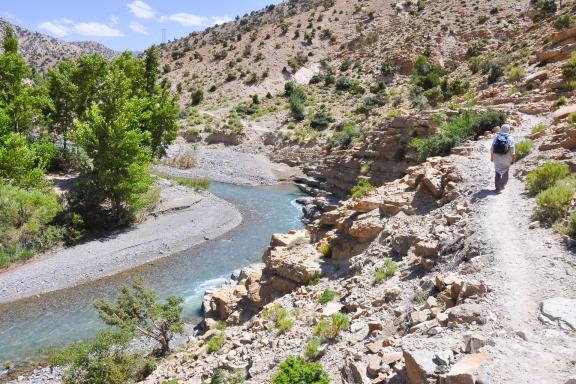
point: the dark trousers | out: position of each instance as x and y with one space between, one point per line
501 180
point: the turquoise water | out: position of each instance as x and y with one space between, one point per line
63 317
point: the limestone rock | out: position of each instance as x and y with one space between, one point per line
367 226
466 313
560 309
226 300
464 371
563 112
419 366
297 264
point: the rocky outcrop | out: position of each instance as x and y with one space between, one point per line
380 157
288 262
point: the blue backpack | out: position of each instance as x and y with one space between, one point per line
501 144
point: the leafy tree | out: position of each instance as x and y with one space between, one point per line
137 310
152 62
110 135
160 120
10 43
19 164
63 91
89 78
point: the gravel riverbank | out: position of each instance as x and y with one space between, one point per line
182 219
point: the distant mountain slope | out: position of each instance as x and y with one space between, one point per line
42 52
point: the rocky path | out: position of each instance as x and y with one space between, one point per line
526 267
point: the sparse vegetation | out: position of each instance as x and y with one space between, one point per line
361 189
386 271
327 330
312 350
538 128
524 148
327 296
545 176
279 318
296 370
553 203
325 249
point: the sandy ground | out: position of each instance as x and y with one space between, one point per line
182 219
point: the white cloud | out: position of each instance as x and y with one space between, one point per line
114 19
138 28
9 15
186 19
56 28
220 19
97 29
141 10
66 21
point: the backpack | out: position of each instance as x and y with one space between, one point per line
501 144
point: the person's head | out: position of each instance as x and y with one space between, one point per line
505 128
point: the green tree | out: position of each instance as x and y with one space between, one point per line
10 43
138 311
63 91
89 78
152 63
19 164
114 185
159 120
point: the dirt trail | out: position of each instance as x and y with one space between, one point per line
525 267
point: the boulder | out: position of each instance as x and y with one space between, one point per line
226 300
553 55
466 313
464 371
297 264
426 248
366 227
560 309
374 364
419 366
264 286
563 35
391 357
562 113
355 373
540 75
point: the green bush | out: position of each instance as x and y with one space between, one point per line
571 226
196 96
326 250
346 84
327 296
321 118
468 125
524 148
545 176
216 342
346 134
103 360
294 370
296 101
328 330
569 69
388 68
386 271
559 102
515 73
361 189
563 22
538 128
279 318
553 203
475 47
312 349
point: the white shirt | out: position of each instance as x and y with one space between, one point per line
502 162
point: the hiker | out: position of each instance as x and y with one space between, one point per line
503 155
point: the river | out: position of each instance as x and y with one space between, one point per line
59 318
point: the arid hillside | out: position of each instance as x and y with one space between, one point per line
42 52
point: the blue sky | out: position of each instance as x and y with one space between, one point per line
123 24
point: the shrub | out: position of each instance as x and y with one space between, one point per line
475 47
279 318
538 128
216 342
328 330
559 102
388 68
296 370
515 73
569 69
103 360
524 148
348 85
563 22
553 203
321 119
468 125
362 188
296 102
345 134
312 349
297 242
327 296
545 176
386 271
325 249
571 225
